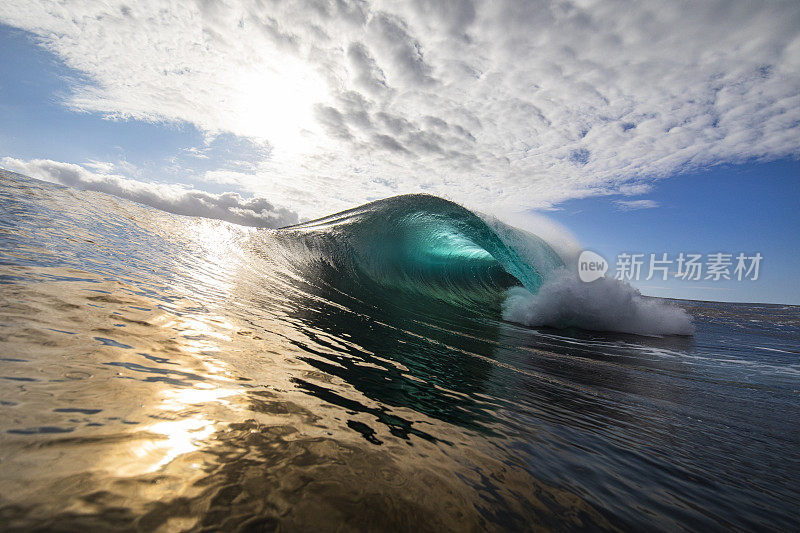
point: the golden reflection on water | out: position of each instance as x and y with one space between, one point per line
179 437
182 435
187 412
188 424
213 268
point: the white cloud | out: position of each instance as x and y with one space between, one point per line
630 205
171 198
499 105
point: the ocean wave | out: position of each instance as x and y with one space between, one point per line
425 244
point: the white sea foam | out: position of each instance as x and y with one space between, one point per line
605 304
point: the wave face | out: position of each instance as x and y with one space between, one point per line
429 245
161 372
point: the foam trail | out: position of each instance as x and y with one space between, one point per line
605 304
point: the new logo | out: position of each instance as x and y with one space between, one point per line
591 266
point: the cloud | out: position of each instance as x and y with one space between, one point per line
398 49
367 73
499 105
176 199
630 205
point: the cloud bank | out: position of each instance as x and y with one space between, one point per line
176 199
498 105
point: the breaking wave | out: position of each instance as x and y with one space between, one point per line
427 245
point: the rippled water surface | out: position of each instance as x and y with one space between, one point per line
160 372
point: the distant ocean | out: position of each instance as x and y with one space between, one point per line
378 369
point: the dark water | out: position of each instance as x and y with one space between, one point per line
166 373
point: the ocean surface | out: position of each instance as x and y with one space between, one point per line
160 372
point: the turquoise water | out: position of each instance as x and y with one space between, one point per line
163 372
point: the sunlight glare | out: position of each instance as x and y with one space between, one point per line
278 105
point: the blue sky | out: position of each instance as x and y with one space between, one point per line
683 139
748 208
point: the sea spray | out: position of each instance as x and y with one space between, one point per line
605 304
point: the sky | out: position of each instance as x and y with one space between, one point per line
647 127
